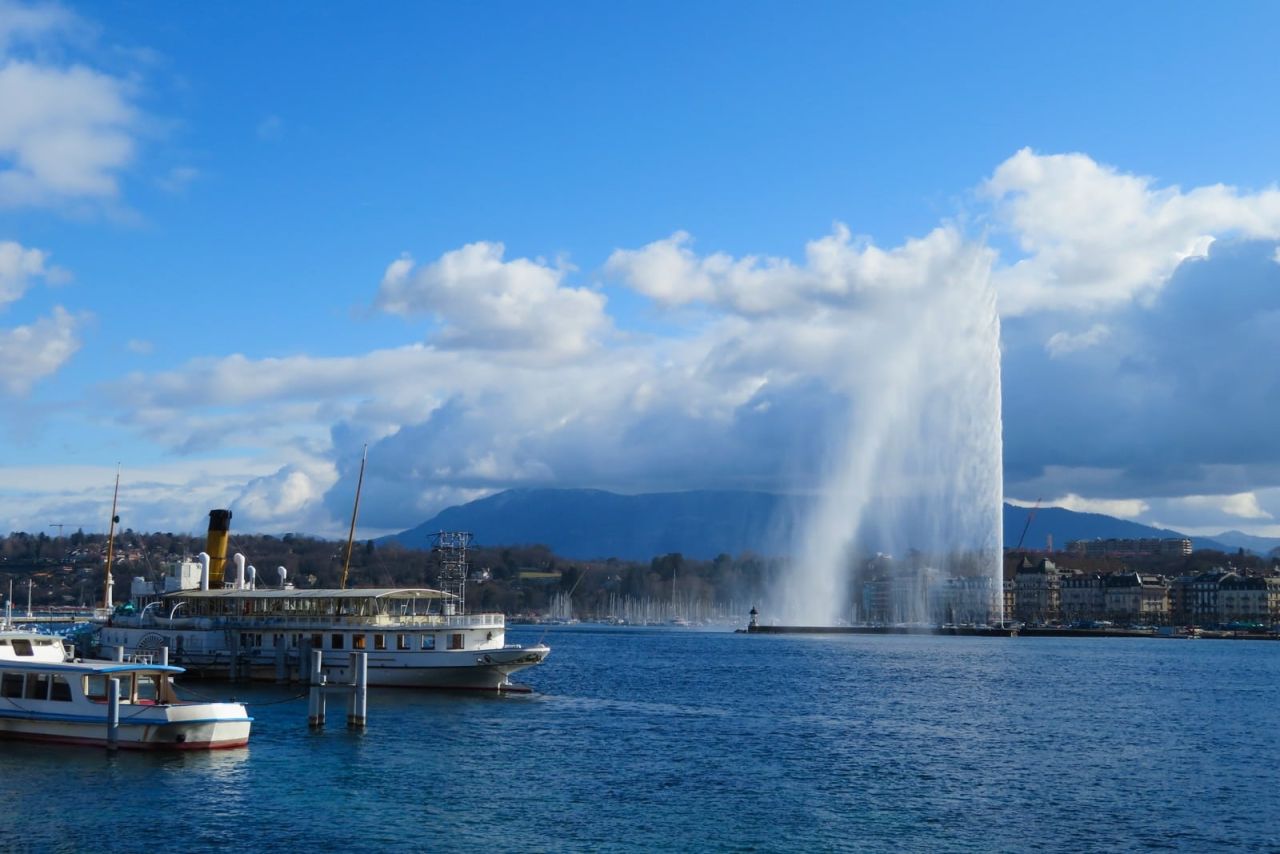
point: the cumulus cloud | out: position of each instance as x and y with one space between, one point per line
483 302
66 131
837 268
19 267
287 499
1094 237
33 351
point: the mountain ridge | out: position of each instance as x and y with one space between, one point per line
590 524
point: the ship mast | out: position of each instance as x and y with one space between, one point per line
351 536
111 540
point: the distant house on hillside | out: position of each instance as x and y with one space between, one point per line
1144 547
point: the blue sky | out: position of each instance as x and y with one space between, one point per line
204 209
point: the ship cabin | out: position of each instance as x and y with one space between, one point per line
360 619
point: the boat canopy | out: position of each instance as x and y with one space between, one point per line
93 666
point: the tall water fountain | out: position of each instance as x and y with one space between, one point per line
915 469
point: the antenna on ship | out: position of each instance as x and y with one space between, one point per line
346 564
111 541
451 546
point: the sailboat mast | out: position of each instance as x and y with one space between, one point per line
351 536
111 539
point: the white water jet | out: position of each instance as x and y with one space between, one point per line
918 465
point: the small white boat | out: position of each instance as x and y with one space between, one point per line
47 695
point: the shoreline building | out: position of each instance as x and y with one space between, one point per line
1130 596
1038 591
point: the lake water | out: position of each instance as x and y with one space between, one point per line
677 740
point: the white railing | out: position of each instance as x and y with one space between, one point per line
347 621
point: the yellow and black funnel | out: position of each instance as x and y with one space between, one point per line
216 545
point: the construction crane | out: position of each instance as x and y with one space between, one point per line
1030 516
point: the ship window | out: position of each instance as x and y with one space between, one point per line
379 641
22 646
148 687
60 690
317 641
37 686
428 641
95 687
11 685
336 642
357 641
402 641
455 640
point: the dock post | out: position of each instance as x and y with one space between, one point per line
357 707
304 658
113 712
164 656
315 697
120 653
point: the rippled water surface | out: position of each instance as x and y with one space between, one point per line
649 739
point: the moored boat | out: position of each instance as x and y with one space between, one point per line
219 625
46 694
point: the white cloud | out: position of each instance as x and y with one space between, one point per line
33 351
1065 343
1123 508
1242 505
18 267
837 269
1096 237
486 303
285 500
66 132
139 346
175 495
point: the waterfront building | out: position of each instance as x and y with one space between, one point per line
1180 597
1131 596
1037 591
905 596
1202 596
1248 599
964 601
1082 596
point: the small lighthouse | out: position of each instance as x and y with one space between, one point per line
755 618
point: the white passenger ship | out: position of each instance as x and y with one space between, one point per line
48 695
412 636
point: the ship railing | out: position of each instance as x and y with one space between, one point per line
383 621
